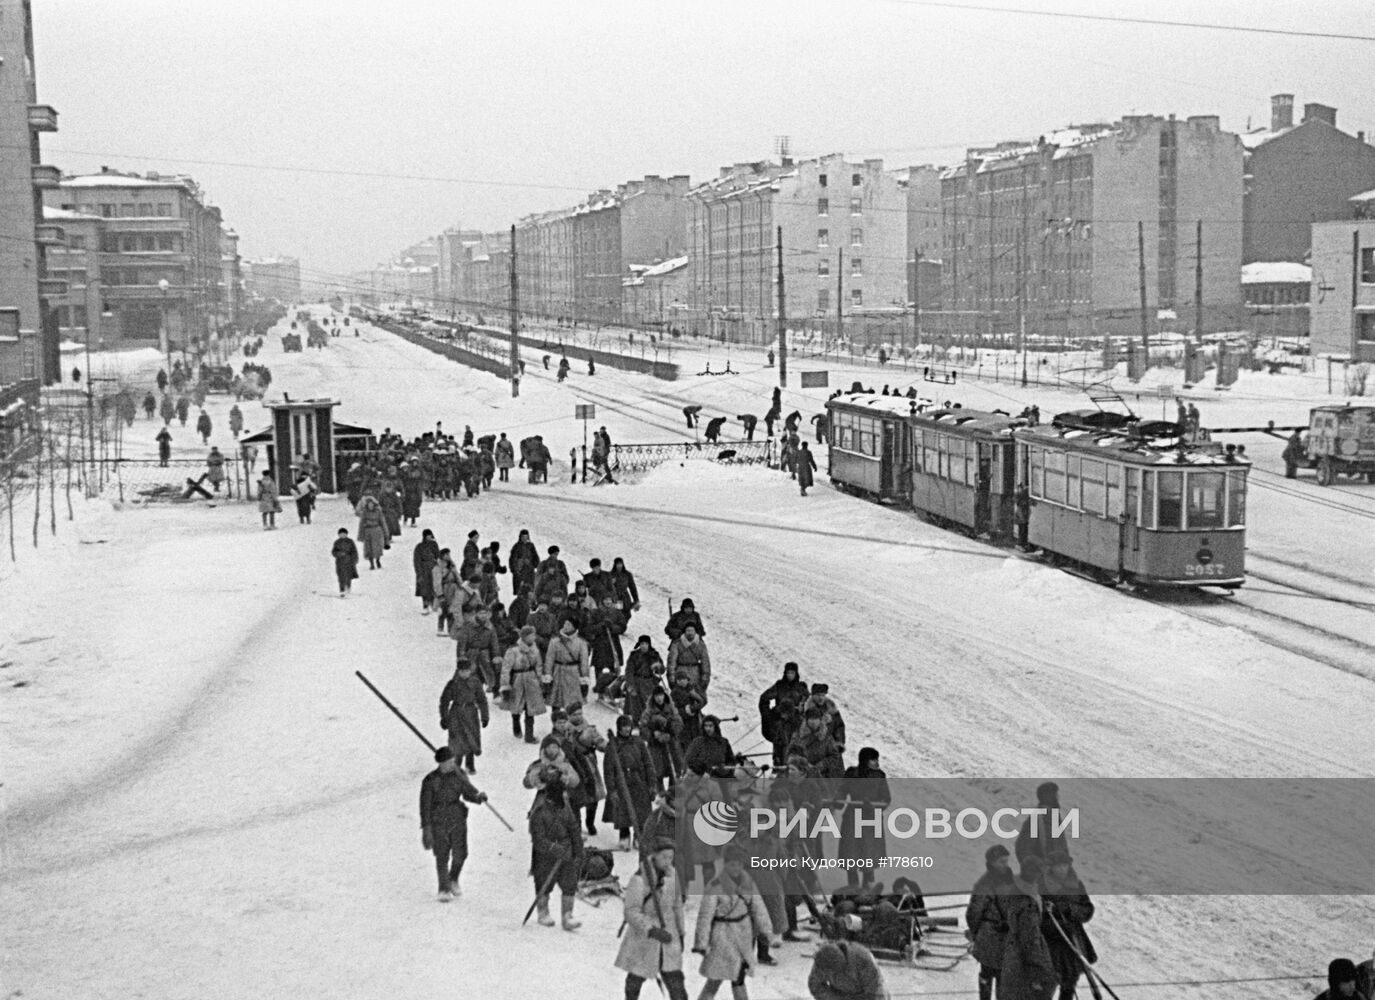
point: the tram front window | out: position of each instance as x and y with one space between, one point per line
1236 499
1206 499
1171 500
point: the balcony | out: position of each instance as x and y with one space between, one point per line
42 118
51 287
45 176
50 236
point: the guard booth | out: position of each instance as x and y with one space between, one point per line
306 427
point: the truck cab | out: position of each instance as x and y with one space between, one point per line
1341 442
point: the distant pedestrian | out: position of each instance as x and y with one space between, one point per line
748 420
345 555
444 819
505 458
150 405
235 420
164 440
268 504
690 412
713 431
304 491
805 463
214 464
183 409
162 380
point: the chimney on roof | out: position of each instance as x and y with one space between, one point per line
1321 113
1281 112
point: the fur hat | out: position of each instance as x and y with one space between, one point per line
558 715
443 754
995 852
819 688
527 631
664 844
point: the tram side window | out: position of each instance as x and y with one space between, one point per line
1112 490
1055 476
1206 499
1037 468
1133 494
1093 487
1171 510
1147 498
1072 480
1236 499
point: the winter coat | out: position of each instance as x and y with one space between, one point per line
591 741
708 752
627 595
1042 845
1026 970
819 750
806 466
1070 903
521 679
424 559
986 918
835 723
546 626
442 800
444 579
600 585
660 726
390 498
679 620
730 917
867 790
551 581
641 679
583 761
345 555
566 772
464 606
600 628
477 643
214 464
846 970
692 658
567 666
778 707
640 954
555 839
639 779
463 712
524 559
412 496
689 702
372 527
505 454
267 497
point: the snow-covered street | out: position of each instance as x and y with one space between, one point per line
201 800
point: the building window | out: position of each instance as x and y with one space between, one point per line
823 267
823 299
76 242
856 237
856 180
856 206
821 180
146 244
167 242
856 297
164 209
107 210
109 243
126 210
856 267
823 237
1368 265
145 208
823 206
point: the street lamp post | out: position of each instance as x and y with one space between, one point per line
163 284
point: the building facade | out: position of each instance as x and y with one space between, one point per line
1342 302
154 229
1056 235
28 330
273 278
1297 175
844 246
572 263
231 281
79 311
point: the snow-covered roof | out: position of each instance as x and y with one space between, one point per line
879 403
666 267
1066 142
1260 136
1267 272
120 180
1363 197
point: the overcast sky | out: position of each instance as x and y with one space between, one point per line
475 113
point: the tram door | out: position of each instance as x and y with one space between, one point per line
889 459
983 499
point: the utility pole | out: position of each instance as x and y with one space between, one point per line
782 319
1198 285
1141 280
916 299
515 325
840 290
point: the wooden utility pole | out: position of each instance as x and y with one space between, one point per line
840 290
916 299
515 323
1198 285
1141 280
782 319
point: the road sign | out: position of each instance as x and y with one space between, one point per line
585 411
815 380
1164 391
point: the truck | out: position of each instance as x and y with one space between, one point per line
1341 442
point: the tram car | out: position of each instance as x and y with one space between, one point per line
1117 498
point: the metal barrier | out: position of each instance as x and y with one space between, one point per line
150 481
641 457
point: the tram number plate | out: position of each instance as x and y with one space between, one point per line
1205 570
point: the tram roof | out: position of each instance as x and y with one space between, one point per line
962 418
876 402
1133 450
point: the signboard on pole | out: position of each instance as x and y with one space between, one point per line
815 380
585 411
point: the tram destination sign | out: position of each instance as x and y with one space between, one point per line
815 380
